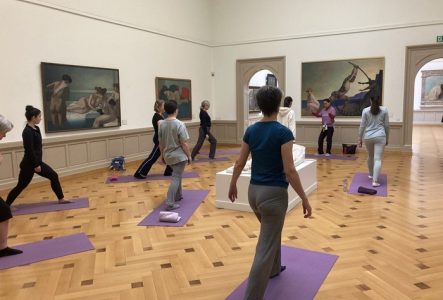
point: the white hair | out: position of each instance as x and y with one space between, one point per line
5 124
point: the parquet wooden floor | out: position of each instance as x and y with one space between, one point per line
388 247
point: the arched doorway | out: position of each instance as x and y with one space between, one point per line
259 79
245 70
416 58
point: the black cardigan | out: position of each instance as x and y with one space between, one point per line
32 142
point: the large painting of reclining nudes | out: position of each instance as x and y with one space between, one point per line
79 97
349 84
178 90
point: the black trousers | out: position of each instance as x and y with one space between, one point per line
147 164
25 177
200 141
328 135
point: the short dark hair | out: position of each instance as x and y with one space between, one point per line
31 112
327 100
67 78
268 99
170 107
288 101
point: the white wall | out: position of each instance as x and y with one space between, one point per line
251 20
387 43
31 34
182 19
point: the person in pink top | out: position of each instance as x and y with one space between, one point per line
327 115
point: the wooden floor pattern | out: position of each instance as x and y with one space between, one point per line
388 247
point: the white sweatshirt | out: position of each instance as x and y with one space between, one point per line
286 117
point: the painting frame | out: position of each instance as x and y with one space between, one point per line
178 89
77 98
347 83
431 88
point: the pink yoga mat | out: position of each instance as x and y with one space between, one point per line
305 272
47 249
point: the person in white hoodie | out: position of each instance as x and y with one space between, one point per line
286 115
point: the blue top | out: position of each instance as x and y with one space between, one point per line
265 140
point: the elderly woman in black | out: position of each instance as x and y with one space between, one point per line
205 131
5 210
32 159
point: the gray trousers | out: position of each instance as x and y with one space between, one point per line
375 147
175 188
269 204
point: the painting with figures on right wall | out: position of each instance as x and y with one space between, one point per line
432 88
348 83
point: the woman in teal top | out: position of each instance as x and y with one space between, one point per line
270 145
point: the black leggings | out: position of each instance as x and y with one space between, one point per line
328 135
25 177
147 164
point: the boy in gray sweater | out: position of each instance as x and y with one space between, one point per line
173 138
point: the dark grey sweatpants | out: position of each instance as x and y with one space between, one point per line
269 204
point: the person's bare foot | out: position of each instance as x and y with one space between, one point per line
63 201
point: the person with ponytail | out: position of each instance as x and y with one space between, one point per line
147 164
374 132
32 159
5 210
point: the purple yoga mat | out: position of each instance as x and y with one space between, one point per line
47 249
305 272
362 179
332 156
34 208
223 152
191 200
207 159
130 178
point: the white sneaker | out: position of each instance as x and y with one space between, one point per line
375 184
369 176
327 154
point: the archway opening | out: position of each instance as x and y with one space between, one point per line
259 79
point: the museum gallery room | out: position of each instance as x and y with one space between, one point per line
221 149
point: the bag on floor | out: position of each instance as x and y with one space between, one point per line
117 163
349 149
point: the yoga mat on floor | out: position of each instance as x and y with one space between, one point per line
191 200
207 159
305 272
34 208
332 156
130 178
362 179
222 152
47 249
